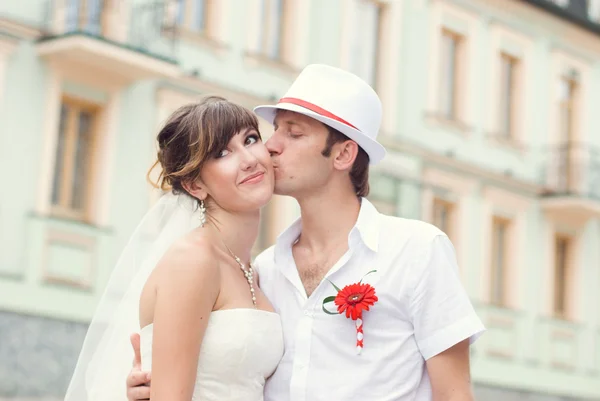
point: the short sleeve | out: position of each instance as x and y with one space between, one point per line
441 311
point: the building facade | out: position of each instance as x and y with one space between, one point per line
488 120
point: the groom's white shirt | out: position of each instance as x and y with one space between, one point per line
422 310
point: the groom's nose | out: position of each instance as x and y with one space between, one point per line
273 145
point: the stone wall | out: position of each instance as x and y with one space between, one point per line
487 393
37 356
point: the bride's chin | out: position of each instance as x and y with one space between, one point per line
248 203
258 203
259 197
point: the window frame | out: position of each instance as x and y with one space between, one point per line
451 208
185 15
68 164
499 274
509 97
456 111
564 311
266 35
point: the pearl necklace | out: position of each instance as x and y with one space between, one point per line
249 274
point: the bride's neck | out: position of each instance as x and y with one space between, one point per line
238 231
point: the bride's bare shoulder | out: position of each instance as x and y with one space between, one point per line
187 272
191 252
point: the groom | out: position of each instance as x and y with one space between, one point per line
406 321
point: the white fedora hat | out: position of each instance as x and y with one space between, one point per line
338 99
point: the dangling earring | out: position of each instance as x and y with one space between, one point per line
202 214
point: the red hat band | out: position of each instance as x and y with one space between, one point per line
316 109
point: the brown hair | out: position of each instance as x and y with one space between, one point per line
359 174
193 134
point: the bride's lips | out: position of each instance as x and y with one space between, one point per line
253 179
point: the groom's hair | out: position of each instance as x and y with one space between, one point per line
193 134
359 174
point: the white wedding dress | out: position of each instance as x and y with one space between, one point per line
240 350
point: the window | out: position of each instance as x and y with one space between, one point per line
384 193
562 268
74 152
273 32
443 215
194 14
561 3
508 107
363 44
451 60
508 92
84 15
567 141
376 36
594 10
498 276
567 95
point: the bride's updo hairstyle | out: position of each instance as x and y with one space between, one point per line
193 134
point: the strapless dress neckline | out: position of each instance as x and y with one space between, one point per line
241 348
231 310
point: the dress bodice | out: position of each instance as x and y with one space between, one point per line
240 350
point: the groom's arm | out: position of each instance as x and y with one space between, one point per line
444 321
449 374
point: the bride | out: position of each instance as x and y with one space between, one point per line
185 280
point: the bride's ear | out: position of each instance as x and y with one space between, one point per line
196 189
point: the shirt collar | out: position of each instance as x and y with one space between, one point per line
367 224
367 227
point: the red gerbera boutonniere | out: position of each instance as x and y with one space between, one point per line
352 300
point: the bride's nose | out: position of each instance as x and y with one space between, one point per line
248 160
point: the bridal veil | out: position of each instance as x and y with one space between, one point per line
106 357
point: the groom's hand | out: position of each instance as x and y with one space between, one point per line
138 382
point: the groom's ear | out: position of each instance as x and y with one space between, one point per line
195 188
344 154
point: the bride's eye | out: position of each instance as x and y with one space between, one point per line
222 153
252 139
